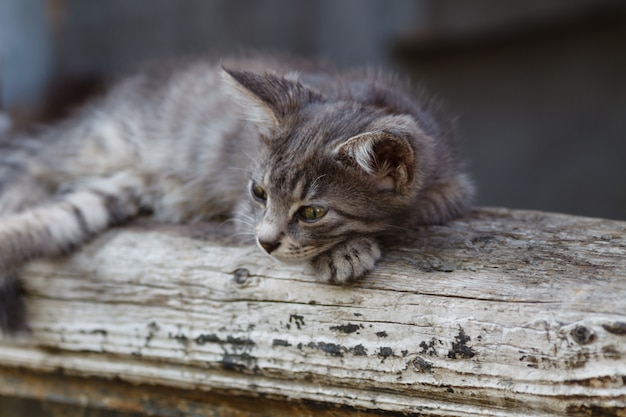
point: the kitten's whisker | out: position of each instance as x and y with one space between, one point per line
243 234
253 159
248 222
242 221
233 220
392 226
243 217
249 171
243 237
315 182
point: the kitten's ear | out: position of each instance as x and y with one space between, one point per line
267 99
384 152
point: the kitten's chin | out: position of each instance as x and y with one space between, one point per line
290 252
295 258
290 260
290 257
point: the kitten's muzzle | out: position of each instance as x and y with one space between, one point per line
269 246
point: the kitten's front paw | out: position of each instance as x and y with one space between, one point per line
347 261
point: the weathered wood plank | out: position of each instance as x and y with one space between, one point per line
501 313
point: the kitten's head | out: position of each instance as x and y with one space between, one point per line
330 168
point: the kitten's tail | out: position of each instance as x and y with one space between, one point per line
58 227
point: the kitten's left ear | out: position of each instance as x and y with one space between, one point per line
267 99
385 152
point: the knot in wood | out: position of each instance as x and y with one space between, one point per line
241 275
582 335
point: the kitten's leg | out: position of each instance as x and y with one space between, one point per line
57 227
347 261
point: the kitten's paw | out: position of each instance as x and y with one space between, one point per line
347 261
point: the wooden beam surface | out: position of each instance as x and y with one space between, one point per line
502 313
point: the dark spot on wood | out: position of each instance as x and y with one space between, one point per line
449 389
153 328
532 361
239 362
312 302
593 410
384 352
618 328
422 365
280 342
578 360
297 319
607 381
236 342
359 350
429 348
404 353
240 341
99 331
207 338
347 328
241 275
381 334
357 314
332 349
582 335
180 338
460 348
611 352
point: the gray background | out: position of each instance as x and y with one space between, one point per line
539 86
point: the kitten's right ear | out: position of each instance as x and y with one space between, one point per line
267 99
386 155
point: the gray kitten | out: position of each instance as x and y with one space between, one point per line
316 163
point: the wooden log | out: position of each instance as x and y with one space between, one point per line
501 313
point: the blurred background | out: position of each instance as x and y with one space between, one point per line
538 86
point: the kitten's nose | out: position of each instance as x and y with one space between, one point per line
269 246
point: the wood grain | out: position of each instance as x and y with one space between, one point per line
502 313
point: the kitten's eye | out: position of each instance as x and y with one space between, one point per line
259 192
311 213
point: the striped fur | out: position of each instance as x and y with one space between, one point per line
314 163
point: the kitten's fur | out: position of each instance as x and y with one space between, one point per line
316 163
